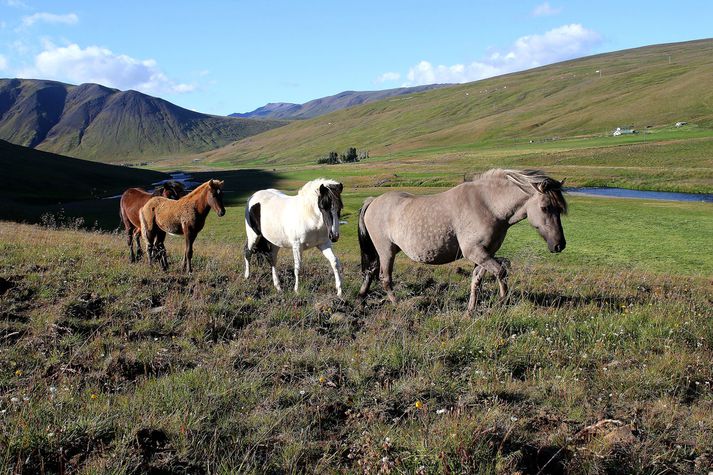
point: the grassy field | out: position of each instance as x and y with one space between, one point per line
599 362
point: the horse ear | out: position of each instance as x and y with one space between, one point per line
341 187
322 190
541 187
221 183
562 182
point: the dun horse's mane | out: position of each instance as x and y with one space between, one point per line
532 181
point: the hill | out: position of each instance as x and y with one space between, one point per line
325 105
33 177
650 86
99 123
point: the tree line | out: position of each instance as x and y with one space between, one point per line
351 155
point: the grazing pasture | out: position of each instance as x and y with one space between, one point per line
599 360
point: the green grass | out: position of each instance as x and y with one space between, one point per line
107 366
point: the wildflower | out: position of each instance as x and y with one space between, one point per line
322 380
441 411
93 396
18 372
302 392
418 404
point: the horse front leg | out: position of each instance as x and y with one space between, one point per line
484 262
336 266
188 250
297 255
478 273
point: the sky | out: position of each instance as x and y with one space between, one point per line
221 57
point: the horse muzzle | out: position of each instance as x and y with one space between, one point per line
220 212
558 247
334 237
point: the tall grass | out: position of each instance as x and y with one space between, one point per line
112 367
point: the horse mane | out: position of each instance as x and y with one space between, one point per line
176 186
198 189
531 182
310 190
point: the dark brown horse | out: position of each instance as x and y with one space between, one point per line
185 216
131 202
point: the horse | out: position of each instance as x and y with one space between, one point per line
274 220
131 202
469 220
185 216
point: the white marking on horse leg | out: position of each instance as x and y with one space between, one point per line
247 267
336 266
297 254
273 269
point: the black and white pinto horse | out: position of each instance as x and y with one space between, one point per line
274 220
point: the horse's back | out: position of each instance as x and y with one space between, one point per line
420 225
131 202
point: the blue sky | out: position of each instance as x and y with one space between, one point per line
221 57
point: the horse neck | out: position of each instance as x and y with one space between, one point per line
507 201
199 199
310 210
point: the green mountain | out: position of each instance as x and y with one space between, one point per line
99 123
650 86
325 105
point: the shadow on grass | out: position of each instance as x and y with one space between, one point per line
103 214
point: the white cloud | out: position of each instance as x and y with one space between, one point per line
100 65
388 76
53 18
3 63
559 44
544 9
15 3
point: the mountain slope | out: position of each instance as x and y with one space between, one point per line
98 123
35 177
654 85
325 105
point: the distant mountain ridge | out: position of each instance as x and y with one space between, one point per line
95 122
325 105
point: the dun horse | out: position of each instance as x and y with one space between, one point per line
274 220
131 202
185 216
469 220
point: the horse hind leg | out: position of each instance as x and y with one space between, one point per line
387 268
272 257
139 252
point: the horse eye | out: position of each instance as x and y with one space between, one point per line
544 209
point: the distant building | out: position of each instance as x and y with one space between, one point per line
624 131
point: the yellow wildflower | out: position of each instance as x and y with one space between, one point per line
418 404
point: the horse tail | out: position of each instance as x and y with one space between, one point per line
144 227
260 245
369 256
